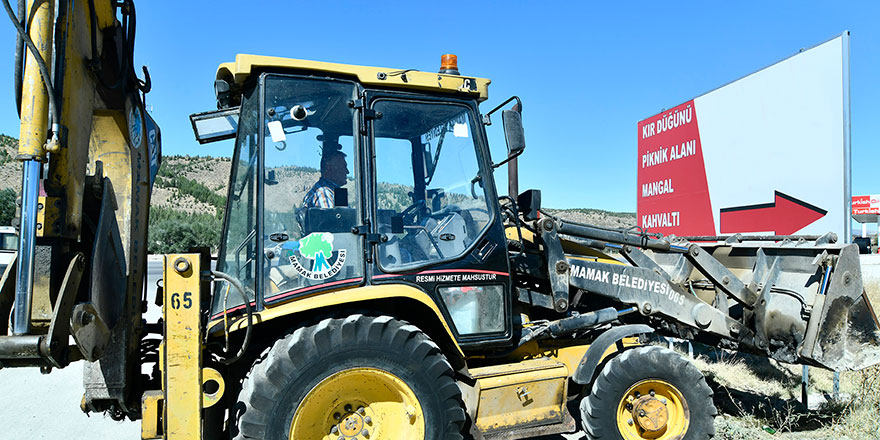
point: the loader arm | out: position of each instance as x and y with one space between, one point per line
794 300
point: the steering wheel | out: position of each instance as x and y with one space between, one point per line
409 214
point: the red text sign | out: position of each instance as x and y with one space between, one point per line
673 196
866 204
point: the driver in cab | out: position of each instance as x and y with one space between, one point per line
334 170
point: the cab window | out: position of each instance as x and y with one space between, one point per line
239 250
431 206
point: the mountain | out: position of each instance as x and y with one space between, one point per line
10 169
212 174
189 197
598 217
192 184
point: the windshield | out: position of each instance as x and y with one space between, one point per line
430 199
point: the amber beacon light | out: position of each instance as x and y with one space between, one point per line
449 64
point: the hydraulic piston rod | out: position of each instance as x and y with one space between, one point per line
30 183
590 232
34 122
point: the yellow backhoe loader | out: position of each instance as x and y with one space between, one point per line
371 281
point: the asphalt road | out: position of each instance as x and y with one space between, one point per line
36 407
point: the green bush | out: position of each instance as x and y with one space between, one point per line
8 148
7 206
176 232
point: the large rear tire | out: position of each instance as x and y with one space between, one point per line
649 393
365 377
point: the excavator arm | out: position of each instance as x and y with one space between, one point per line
89 154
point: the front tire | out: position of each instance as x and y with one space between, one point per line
356 377
649 393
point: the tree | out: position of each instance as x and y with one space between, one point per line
176 232
169 238
7 206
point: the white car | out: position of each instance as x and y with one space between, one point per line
8 246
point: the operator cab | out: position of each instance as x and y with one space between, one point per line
337 183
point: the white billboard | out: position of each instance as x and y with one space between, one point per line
765 154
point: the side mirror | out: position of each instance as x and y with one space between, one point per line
529 204
513 129
429 159
513 132
215 125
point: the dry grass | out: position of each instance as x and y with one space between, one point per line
759 398
873 290
597 217
10 176
749 374
756 396
862 414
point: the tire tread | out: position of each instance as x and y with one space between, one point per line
598 409
270 373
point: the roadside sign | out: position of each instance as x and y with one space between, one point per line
866 209
766 154
866 204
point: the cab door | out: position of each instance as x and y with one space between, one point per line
435 215
310 200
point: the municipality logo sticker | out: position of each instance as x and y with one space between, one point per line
319 261
135 131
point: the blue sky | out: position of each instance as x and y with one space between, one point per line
587 72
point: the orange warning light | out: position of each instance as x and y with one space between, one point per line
449 64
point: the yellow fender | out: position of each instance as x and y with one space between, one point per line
350 298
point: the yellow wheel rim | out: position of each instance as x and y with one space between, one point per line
652 409
362 403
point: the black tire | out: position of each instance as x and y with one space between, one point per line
600 409
277 384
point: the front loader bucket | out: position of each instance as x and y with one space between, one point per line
796 299
843 333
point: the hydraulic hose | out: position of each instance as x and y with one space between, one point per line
41 63
18 64
250 315
143 85
564 327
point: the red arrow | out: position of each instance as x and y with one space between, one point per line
785 216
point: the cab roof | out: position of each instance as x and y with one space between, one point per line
238 72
